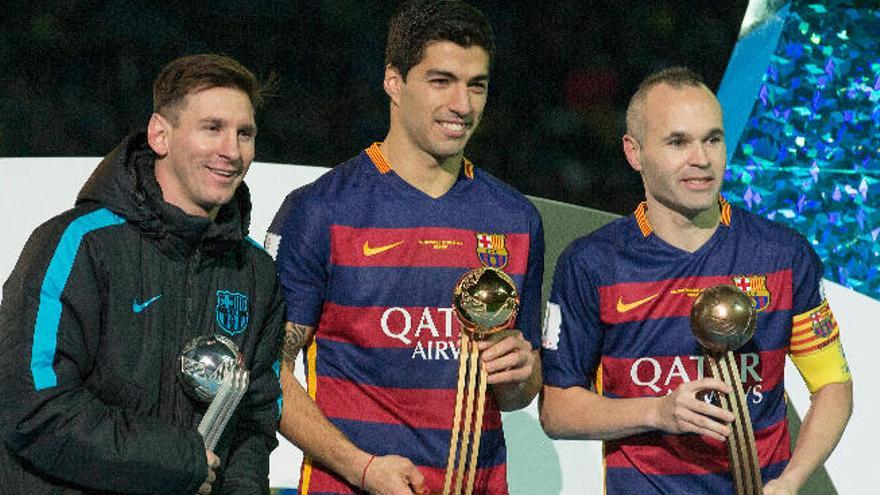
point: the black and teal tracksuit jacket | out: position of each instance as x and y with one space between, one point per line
92 321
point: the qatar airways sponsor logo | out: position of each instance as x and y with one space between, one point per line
663 378
429 333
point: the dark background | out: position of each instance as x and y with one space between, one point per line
76 76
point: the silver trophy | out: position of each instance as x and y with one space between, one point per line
212 371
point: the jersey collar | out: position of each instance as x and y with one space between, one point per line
382 165
641 215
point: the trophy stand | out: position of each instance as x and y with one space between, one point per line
471 380
723 320
485 302
234 384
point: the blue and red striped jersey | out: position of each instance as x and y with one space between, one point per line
618 319
371 262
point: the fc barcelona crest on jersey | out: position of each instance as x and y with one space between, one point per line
491 250
756 287
232 311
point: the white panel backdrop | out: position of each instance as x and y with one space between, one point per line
34 189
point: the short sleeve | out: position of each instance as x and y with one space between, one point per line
573 334
815 347
529 319
303 257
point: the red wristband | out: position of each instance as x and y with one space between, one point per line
364 475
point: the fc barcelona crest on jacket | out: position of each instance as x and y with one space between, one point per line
756 287
491 250
232 311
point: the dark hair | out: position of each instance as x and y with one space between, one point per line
677 77
191 73
418 23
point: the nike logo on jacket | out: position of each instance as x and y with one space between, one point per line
139 307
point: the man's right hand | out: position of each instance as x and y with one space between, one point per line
682 412
213 463
393 475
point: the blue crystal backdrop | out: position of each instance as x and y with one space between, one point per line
809 152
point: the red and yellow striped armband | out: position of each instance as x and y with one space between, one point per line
815 348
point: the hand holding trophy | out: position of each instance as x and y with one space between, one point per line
212 371
723 320
485 301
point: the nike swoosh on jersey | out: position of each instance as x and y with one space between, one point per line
623 307
140 307
372 251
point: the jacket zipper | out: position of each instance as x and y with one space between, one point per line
191 268
186 333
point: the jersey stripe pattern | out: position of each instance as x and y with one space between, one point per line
619 320
372 262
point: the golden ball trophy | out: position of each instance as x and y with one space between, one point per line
723 320
485 301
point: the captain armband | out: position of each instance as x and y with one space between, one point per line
816 350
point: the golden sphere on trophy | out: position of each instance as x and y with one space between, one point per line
485 301
723 319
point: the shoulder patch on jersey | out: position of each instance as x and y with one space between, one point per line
271 244
552 327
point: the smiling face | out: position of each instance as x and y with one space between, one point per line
204 156
439 105
679 149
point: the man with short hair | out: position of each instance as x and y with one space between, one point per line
620 361
369 255
105 296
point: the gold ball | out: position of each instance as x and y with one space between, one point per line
485 301
723 319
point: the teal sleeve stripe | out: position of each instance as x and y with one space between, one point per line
49 311
255 243
280 402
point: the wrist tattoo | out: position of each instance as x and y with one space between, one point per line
295 337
